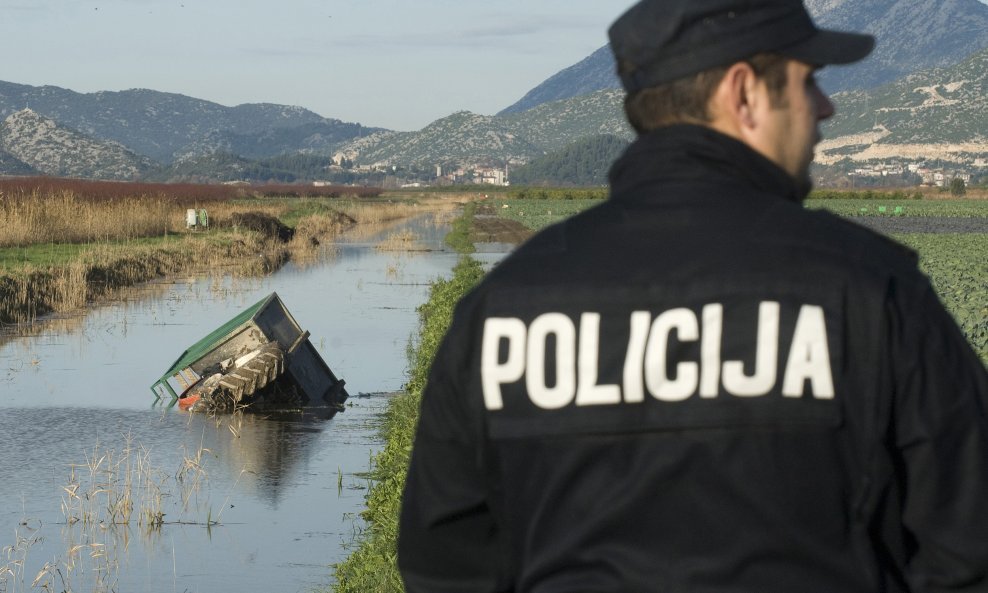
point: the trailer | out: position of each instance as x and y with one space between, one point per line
260 357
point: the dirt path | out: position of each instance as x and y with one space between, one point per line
488 227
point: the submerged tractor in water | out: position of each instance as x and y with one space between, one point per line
260 359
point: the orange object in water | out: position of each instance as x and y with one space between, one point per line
186 402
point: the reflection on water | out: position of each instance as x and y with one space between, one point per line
284 488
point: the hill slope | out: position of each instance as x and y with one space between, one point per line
593 73
165 125
912 35
940 113
52 149
584 163
937 112
517 138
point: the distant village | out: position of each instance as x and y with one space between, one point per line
936 174
891 172
397 176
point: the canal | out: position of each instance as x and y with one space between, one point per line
250 503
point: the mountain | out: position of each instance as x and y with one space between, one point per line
941 113
53 149
165 126
53 130
11 165
458 137
938 113
912 35
478 139
593 73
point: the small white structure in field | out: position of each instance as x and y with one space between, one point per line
196 219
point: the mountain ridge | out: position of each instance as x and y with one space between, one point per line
54 149
164 126
134 127
912 35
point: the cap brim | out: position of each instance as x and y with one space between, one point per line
831 47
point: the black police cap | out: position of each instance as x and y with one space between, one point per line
664 40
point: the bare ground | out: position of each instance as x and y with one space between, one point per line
488 227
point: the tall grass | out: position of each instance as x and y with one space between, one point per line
63 217
60 250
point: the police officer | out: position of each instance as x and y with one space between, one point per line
699 385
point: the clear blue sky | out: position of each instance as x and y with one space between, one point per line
399 64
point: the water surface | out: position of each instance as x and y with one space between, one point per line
281 491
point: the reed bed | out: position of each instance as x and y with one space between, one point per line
404 240
62 250
380 212
104 499
63 217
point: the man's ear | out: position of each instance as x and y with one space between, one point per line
733 106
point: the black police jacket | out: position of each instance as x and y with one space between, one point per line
700 386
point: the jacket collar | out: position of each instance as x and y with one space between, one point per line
685 152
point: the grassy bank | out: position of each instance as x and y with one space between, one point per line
60 251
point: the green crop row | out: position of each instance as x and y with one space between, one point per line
537 214
928 208
573 193
957 265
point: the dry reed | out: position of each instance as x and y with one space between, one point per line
404 240
104 497
105 264
63 218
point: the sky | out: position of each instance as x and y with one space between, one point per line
397 64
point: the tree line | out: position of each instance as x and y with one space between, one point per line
584 163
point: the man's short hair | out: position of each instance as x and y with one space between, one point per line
687 100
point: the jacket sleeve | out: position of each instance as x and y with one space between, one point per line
941 435
449 539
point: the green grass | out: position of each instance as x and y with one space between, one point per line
536 213
459 236
45 255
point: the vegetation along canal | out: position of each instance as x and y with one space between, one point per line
104 492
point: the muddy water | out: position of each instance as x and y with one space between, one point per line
264 503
